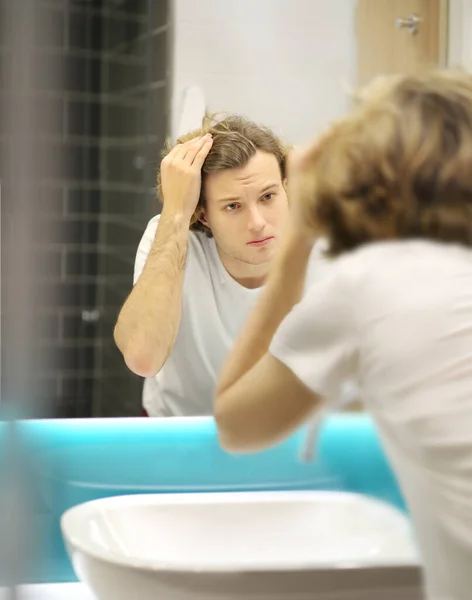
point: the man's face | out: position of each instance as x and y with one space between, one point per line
246 209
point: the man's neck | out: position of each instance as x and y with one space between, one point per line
247 275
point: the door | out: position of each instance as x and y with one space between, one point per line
399 36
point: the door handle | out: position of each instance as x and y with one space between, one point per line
411 23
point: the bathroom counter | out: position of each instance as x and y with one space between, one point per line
69 462
51 591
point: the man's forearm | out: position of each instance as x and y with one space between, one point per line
283 290
149 320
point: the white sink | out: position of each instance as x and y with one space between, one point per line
245 545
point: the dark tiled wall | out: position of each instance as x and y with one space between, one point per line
134 121
99 128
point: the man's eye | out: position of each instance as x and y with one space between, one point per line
268 197
231 207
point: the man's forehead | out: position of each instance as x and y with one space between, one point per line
261 171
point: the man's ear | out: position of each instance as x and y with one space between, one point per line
200 216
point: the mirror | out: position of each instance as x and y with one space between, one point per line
111 81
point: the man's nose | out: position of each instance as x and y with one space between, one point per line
256 220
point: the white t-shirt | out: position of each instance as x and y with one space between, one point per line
396 320
214 309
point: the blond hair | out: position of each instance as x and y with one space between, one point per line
235 141
400 166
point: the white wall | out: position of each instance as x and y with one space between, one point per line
283 63
460 34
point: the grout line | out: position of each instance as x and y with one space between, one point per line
63 276
140 38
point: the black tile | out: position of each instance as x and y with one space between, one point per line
125 203
85 30
90 233
62 231
74 406
158 114
159 13
120 395
115 295
74 327
122 31
80 73
81 162
68 358
123 77
124 121
75 385
81 262
92 161
133 7
137 48
108 322
49 31
83 201
83 118
75 156
115 266
65 294
121 235
159 56
124 165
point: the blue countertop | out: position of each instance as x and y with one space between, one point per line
67 462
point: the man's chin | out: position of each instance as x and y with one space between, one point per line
262 258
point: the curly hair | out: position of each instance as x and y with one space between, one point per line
236 140
398 167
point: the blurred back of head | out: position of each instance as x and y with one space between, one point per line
398 167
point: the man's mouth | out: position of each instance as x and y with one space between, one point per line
261 242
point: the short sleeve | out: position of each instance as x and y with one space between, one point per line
317 340
144 247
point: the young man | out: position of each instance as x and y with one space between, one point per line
390 188
201 263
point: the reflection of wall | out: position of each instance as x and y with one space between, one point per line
97 99
281 63
460 33
133 128
60 99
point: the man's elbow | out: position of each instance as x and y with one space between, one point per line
233 443
141 364
236 436
137 358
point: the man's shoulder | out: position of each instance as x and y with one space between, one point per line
151 228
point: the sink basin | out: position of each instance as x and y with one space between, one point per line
240 545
